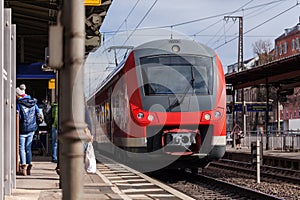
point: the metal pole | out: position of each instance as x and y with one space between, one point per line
244 118
71 99
7 97
267 115
240 58
13 103
278 115
233 118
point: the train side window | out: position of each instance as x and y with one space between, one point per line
107 112
97 112
102 114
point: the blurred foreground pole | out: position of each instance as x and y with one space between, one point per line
71 99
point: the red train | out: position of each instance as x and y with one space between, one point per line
163 106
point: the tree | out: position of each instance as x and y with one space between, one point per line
263 49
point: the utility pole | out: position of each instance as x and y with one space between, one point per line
240 64
240 42
71 99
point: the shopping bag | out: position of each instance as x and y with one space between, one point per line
90 159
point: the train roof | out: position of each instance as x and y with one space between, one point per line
186 47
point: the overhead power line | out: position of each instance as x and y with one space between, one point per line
125 20
221 15
197 20
136 3
140 21
255 27
237 10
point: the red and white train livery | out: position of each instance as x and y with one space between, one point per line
165 103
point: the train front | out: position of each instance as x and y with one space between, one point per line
179 104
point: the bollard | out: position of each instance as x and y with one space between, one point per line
258 161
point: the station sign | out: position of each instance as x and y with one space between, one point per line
92 2
257 107
249 107
238 107
51 84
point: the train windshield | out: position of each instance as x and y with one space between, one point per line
173 74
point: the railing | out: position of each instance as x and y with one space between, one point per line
284 141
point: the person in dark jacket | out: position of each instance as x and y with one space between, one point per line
28 111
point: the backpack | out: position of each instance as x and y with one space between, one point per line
28 119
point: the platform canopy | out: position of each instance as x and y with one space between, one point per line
283 73
33 71
33 17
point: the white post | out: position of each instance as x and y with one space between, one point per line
258 161
2 100
245 127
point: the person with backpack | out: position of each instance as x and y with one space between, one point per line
29 113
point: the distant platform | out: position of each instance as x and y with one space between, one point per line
276 158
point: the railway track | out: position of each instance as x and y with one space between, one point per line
271 185
267 172
205 187
208 184
133 185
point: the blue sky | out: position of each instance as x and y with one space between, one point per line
212 31
202 20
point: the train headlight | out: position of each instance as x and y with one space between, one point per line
150 118
175 48
217 114
212 115
140 115
207 116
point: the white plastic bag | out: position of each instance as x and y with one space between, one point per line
90 159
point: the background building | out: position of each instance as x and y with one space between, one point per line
287 44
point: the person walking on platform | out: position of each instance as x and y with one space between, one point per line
29 113
236 133
23 87
54 108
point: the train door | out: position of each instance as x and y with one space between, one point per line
109 115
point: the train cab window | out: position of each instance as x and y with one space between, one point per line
172 74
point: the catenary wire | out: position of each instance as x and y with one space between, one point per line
196 20
255 27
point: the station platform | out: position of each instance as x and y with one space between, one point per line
43 184
276 158
276 153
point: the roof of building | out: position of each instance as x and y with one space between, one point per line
32 19
283 73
